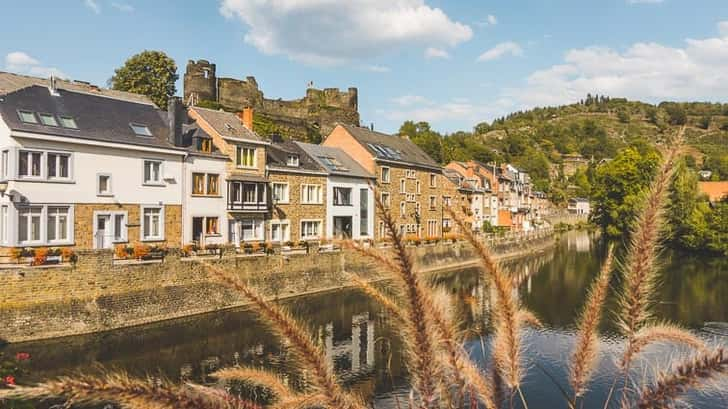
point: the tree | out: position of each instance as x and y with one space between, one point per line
150 73
676 114
623 115
704 122
423 136
683 200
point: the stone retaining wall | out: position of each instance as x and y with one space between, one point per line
97 294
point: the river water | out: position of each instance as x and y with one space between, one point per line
362 343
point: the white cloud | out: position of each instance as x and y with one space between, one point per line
409 100
432 52
93 5
124 7
327 32
723 28
422 109
645 71
491 19
23 63
376 68
508 47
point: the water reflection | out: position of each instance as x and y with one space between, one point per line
362 344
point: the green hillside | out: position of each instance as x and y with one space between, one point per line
596 128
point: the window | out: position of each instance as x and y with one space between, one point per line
4 166
57 224
363 212
411 174
433 180
119 227
311 194
141 130
28 117
68 122
342 196
211 226
251 229
292 160
402 186
152 172
152 223
410 197
310 229
385 200
432 228
4 224
245 157
417 208
29 163
446 225
402 210
198 183
48 119
58 165
417 187
382 230
29 220
433 202
280 231
250 192
385 174
280 192
204 145
103 184
213 185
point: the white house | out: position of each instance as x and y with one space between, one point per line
579 205
85 167
349 193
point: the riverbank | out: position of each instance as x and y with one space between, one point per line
97 294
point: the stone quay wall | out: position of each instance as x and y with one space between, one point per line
98 293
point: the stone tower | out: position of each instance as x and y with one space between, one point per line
200 81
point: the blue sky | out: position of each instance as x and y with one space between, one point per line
452 63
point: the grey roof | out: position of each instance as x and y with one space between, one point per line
98 118
277 156
402 149
10 82
349 167
227 124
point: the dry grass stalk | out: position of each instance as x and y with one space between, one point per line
506 340
584 358
128 392
660 333
383 299
302 402
527 317
688 373
286 326
260 377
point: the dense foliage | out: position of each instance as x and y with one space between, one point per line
150 73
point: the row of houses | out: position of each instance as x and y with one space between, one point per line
87 167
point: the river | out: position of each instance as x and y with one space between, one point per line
362 341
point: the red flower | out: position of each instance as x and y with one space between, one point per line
9 380
22 356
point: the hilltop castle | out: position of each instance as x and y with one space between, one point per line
306 118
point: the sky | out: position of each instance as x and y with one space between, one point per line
452 63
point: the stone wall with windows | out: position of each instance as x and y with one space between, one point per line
295 210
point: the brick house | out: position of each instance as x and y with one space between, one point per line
85 167
246 190
299 193
408 181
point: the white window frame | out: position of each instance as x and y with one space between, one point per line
432 228
142 223
124 237
418 189
287 191
239 156
5 165
150 182
388 173
110 191
30 153
68 224
4 217
432 202
320 227
386 199
279 223
304 199
58 155
402 185
433 180
258 228
342 188
43 240
293 160
402 209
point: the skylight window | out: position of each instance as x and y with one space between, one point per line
292 160
333 164
48 119
28 117
141 130
68 122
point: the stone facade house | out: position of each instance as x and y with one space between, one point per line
409 183
85 167
299 194
246 189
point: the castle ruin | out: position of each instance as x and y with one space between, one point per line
308 118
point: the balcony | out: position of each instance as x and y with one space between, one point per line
247 196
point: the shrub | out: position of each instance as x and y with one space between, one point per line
41 256
140 251
269 248
120 252
255 247
187 250
16 254
67 254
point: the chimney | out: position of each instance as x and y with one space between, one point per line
175 117
246 115
52 86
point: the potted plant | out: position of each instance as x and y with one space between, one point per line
67 254
120 252
16 254
187 250
40 256
140 251
269 248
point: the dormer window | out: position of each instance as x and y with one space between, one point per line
292 160
68 122
141 130
48 119
204 145
28 117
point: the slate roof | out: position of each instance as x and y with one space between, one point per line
350 167
98 118
227 124
277 157
407 152
10 82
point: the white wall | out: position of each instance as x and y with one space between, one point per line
205 206
356 185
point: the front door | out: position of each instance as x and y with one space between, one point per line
342 227
104 232
197 223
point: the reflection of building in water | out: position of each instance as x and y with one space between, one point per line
580 241
354 356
